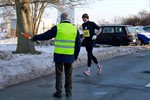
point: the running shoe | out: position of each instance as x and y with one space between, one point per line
99 69
87 73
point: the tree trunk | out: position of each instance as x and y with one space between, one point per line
25 25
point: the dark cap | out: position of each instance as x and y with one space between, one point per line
85 16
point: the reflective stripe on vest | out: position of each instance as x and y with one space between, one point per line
65 39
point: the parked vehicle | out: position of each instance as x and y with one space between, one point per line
143 36
117 35
147 28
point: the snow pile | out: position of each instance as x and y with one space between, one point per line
24 67
5 55
107 52
2 35
16 68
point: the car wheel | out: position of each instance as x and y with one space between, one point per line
139 42
115 42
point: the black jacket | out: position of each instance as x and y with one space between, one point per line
91 26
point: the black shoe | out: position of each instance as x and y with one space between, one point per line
68 95
57 95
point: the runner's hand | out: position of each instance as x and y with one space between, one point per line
94 37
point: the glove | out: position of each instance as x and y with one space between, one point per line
94 37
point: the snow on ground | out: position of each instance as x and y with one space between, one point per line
16 68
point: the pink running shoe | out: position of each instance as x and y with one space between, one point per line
99 69
87 73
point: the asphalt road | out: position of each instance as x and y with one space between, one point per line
122 78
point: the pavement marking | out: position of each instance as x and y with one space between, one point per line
148 85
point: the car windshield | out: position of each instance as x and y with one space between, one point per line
139 30
131 30
147 28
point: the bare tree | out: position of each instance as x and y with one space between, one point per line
37 12
118 20
28 21
142 18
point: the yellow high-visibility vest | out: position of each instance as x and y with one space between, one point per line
65 39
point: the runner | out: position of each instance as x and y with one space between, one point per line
89 40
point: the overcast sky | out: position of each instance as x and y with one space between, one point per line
105 10
109 9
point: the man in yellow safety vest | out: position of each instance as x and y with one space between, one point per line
67 47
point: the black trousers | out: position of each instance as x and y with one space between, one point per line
68 77
89 49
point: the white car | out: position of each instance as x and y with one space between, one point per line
147 28
143 36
